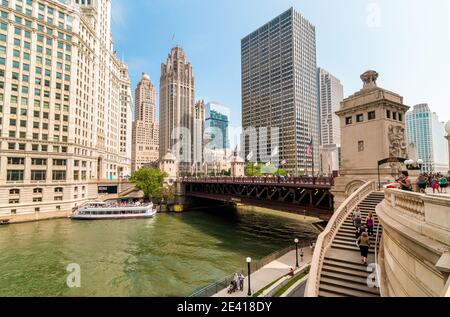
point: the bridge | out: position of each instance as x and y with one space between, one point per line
308 196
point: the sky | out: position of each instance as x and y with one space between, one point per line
406 41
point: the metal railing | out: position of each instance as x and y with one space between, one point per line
326 238
319 181
222 284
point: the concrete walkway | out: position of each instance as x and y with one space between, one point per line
270 273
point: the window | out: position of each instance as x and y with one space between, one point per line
14 175
38 175
348 120
361 146
14 191
57 162
400 117
372 115
59 190
38 161
59 175
16 161
394 115
360 118
37 191
58 198
14 201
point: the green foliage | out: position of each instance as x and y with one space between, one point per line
259 170
150 181
165 194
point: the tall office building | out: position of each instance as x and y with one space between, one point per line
217 121
428 134
330 95
145 148
279 90
177 110
65 103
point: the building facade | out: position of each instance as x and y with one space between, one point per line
177 111
64 105
217 121
428 134
330 95
145 147
279 91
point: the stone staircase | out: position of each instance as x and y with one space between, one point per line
343 274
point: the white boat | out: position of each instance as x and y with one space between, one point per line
104 211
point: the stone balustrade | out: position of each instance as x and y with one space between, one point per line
326 238
415 248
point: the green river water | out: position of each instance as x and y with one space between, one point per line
170 255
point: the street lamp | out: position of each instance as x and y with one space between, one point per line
414 166
296 252
249 261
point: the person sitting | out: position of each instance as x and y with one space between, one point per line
292 273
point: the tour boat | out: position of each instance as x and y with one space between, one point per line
105 211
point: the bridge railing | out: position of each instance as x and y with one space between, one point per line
326 238
319 181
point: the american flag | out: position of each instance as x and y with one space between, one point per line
310 149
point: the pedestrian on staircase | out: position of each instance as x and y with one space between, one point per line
356 214
364 246
357 222
370 224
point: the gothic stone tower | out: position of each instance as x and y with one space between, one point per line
372 129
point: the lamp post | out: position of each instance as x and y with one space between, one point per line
296 253
249 261
414 166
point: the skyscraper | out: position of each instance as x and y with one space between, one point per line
330 95
279 90
145 127
177 113
217 120
65 105
428 134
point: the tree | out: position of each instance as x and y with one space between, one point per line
150 181
165 194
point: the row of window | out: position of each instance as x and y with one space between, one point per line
16 191
372 116
35 161
18 175
35 147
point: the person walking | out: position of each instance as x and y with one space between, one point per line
435 185
302 254
357 222
370 224
241 281
356 214
422 183
443 184
364 246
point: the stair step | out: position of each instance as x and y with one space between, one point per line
355 268
352 240
350 248
359 280
346 263
323 293
343 289
346 272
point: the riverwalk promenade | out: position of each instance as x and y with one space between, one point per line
270 273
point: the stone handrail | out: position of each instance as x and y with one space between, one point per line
326 238
422 212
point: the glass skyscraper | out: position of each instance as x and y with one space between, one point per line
217 120
428 134
279 90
